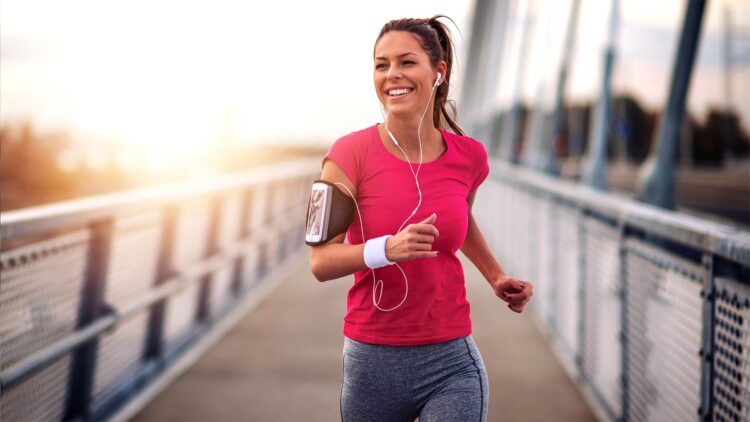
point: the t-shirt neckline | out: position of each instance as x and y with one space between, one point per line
441 158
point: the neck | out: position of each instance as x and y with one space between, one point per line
405 130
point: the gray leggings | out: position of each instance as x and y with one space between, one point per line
435 382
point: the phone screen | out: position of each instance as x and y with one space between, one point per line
315 214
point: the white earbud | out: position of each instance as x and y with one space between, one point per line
437 81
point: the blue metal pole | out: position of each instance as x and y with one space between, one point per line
550 164
658 172
470 85
512 127
595 167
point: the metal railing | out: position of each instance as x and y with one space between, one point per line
648 308
100 297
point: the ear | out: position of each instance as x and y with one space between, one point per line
443 69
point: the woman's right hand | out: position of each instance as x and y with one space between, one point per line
413 242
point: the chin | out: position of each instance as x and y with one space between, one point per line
401 111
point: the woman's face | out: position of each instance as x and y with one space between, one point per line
403 74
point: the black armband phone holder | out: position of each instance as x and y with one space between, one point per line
329 213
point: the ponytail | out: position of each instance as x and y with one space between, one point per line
440 115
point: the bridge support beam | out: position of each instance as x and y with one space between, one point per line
510 136
658 172
595 165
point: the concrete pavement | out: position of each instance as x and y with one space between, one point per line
282 362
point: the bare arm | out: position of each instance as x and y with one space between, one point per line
475 247
334 259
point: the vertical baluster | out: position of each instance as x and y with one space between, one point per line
81 378
582 215
244 233
212 248
707 350
286 212
263 248
164 270
623 256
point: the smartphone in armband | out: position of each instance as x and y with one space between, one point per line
317 215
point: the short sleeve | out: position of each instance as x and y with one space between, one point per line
346 153
482 165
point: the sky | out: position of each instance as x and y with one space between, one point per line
646 43
175 78
181 75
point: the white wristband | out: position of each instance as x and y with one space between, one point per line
375 252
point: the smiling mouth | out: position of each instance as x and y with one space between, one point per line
399 92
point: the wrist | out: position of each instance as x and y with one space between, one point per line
497 280
375 252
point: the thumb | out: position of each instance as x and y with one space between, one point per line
429 220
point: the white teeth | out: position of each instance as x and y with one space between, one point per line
399 91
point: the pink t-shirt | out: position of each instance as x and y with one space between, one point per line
436 308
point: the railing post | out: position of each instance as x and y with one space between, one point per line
707 350
212 248
244 233
552 275
83 368
581 289
262 223
164 270
624 364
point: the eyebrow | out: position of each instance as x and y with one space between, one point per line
399 56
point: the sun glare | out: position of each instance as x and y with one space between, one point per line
172 84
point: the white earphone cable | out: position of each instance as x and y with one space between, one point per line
378 286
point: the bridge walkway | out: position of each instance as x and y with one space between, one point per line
282 361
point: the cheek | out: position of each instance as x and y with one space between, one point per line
378 84
378 91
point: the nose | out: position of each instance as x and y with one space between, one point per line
393 74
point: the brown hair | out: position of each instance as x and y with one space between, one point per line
436 41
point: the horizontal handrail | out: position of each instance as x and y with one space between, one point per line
171 286
727 241
64 215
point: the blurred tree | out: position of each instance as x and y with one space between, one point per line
29 171
721 135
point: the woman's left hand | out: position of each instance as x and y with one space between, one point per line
515 292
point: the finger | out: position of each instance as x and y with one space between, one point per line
516 297
517 285
424 254
425 229
515 309
421 247
422 238
429 220
518 306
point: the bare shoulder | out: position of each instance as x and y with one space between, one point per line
334 174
